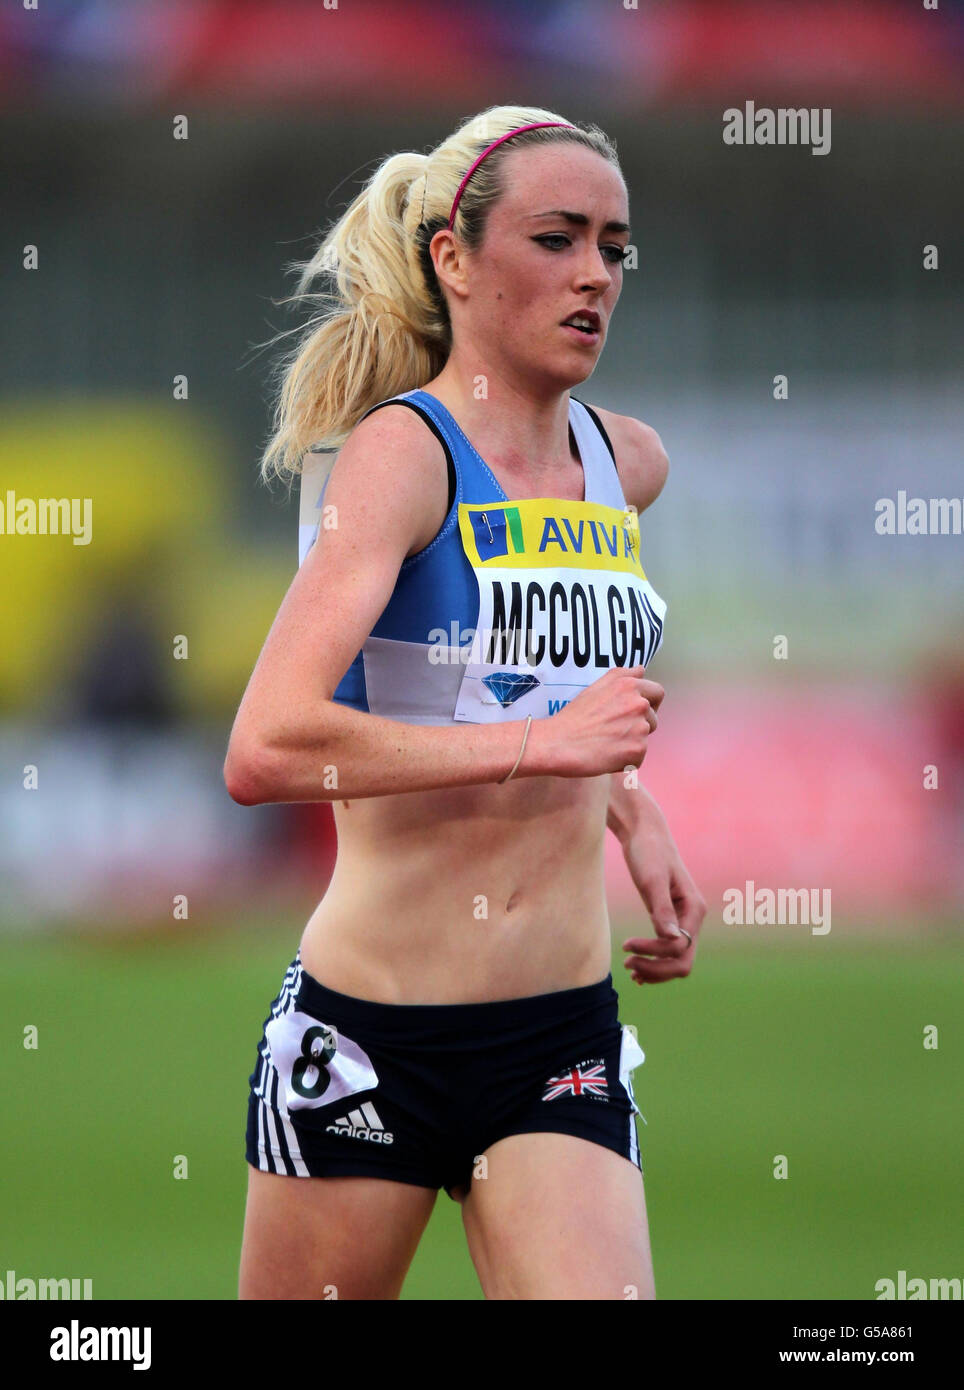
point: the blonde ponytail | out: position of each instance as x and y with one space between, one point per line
381 326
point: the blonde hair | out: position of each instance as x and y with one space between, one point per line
380 325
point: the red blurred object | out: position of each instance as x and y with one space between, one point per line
817 790
393 54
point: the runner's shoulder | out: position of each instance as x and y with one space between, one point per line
393 466
641 460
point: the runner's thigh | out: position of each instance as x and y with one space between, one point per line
558 1217
336 1237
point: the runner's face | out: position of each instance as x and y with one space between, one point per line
553 245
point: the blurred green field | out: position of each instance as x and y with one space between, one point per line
812 1049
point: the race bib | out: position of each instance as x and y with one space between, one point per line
562 597
630 1056
316 1063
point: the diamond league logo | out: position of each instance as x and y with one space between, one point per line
509 686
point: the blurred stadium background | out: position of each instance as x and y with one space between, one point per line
160 257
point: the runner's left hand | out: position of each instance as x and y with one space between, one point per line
671 898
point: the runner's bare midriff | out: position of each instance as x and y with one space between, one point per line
466 894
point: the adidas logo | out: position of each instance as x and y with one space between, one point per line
362 1124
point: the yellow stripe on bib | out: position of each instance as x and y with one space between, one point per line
546 533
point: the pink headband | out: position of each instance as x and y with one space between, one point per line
536 125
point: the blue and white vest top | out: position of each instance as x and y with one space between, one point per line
514 607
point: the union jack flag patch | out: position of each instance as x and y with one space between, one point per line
584 1079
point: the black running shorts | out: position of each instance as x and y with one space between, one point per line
418 1092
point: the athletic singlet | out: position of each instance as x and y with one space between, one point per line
514 607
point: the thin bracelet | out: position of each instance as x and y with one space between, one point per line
521 750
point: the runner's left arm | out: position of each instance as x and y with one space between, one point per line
668 892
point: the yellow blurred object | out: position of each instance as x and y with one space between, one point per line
224 600
154 476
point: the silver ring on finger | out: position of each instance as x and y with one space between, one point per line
687 935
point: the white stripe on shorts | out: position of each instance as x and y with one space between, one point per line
294 1152
263 1162
272 1108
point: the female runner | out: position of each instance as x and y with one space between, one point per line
450 1019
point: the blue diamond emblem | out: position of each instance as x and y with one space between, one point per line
507 686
